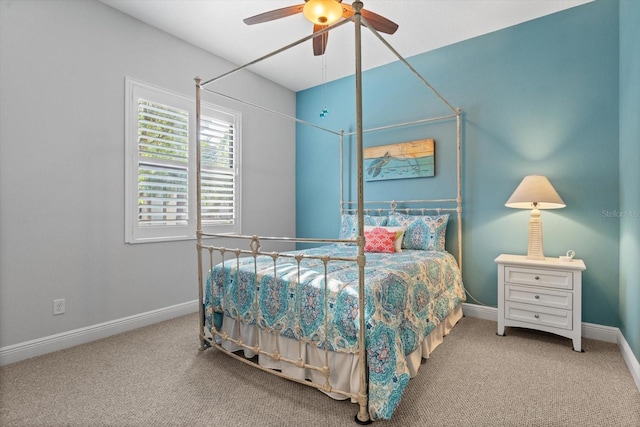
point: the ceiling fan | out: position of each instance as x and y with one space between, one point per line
323 13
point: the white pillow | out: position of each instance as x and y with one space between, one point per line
397 243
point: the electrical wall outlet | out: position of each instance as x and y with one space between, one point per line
58 306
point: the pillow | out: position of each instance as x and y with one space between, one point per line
379 240
349 224
399 234
426 232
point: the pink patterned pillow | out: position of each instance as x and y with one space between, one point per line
379 240
399 234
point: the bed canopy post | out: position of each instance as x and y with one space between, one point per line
203 342
459 196
362 417
341 172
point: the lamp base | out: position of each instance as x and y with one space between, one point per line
534 250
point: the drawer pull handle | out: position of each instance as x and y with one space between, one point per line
537 277
537 316
537 297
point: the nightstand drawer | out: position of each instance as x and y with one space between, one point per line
539 315
539 296
539 277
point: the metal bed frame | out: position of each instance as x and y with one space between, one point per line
361 207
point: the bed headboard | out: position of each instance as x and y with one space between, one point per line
453 207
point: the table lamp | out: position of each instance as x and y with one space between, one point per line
535 192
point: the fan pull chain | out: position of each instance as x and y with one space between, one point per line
324 111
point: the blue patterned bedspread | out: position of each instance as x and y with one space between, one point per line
407 294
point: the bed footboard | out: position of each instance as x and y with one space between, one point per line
254 291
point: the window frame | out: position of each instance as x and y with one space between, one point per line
134 90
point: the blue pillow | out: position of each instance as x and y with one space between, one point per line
349 224
425 232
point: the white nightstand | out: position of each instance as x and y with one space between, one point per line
545 295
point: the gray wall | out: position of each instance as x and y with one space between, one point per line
62 71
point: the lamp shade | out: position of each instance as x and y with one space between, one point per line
535 191
322 12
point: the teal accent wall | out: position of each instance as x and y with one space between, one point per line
630 173
540 97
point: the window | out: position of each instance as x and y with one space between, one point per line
161 166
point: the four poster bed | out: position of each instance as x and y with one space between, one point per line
386 285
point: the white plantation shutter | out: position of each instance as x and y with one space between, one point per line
218 168
162 195
163 156
160 171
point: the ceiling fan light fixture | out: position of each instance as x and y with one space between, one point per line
322 12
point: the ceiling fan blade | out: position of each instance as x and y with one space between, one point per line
320 42
274 14
380 23
347 11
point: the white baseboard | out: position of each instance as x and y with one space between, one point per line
629 358
40 346
600 332
589 330
483 312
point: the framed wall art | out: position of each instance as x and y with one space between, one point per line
414 159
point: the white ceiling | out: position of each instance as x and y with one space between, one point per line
424 25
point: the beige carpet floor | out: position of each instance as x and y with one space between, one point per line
155 376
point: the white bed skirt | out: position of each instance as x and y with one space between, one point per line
343 367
